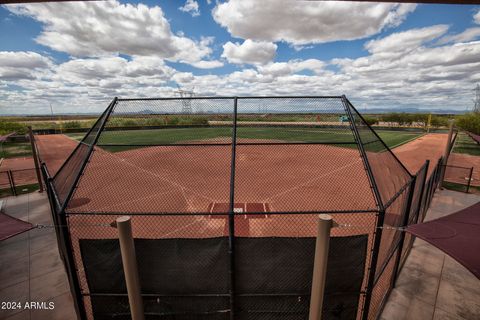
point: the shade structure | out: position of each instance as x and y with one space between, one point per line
10 226
475 137
457 234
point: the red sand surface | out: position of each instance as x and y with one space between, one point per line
428 147
464 160
23 171
177 179
53 149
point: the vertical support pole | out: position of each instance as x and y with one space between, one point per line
12 182
325 223
35 158
129 261
402 234
469 179
422 191
381 209
231 214
447 152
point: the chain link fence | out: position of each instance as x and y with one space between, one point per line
18 181
457 178
224 195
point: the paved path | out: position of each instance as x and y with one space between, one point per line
432 285
30 266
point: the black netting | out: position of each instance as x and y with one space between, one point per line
388 172
66 177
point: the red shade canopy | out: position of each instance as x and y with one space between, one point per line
457 234
475 137
10 226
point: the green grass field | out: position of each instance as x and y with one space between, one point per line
15 150
465 144
5 192
291 134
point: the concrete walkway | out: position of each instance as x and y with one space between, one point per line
432 285
30 266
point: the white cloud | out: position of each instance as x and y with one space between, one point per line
277 69
249 51
299 22
108 27
210 64
476 17
191 6
404 41
21 65
467 35
78 70
404 69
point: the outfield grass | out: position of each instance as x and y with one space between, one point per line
291 134
6 192
460 187
15 150
465 144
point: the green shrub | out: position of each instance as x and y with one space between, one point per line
7 127
439 121
72 125
155 122
370 120
469 122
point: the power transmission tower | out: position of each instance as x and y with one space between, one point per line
186 102
476 101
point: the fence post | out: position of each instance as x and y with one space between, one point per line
231 214
422 192
35 158
469 179
446 153
12 182
129 261
320 264
402 234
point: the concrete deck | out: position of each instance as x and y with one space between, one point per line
432 285
30 266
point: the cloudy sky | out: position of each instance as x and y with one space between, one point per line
78 56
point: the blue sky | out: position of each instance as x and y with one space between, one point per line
78 56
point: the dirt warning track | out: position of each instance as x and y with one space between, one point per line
428 147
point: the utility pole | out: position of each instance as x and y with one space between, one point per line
186 102
476 101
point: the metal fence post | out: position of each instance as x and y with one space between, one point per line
422 191
325 223
130 269
231 213
447 152
469 179
35 158
13 187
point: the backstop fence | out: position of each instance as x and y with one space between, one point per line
224 195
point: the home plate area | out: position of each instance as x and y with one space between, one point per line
242 216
